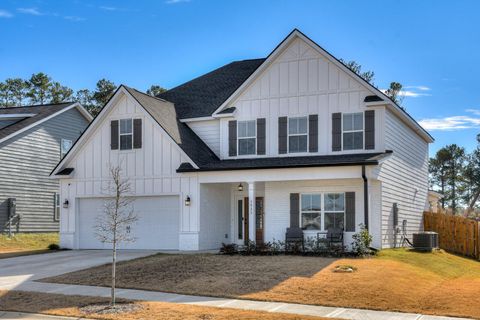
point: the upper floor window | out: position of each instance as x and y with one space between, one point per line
65 145
247 137
352 131
126 134
297 134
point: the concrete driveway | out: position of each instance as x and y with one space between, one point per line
15 271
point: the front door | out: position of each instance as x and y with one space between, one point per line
259 217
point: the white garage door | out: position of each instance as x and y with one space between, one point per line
156 228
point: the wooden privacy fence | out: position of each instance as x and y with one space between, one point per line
455 234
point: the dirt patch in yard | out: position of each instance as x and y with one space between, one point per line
397 280
62 305
210 275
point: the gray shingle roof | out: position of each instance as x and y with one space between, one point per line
200 97
41 112
289 162
164 112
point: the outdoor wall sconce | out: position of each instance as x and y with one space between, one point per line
187 201
240 187
65 204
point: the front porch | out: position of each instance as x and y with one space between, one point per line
261 211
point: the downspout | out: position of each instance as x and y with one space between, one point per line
365 196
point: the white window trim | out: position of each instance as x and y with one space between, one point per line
62 154
322 209
120 134
297 134
352 131
56 207
250 137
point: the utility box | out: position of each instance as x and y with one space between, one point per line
395 214
12 207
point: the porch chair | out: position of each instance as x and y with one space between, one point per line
335 238
294 238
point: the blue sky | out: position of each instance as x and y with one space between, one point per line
431 47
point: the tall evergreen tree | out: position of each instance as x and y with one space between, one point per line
39 87
59 93
155 90
16 90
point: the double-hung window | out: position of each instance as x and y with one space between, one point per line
297 134
65 145
247 137
126 134
334 211
352 131
311 211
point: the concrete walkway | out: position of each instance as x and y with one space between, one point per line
19 274
31 316
299 309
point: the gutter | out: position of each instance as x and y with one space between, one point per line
365 196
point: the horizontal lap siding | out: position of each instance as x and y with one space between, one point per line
406 169
26 162
277 202
209 132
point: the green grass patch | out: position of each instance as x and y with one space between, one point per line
439 262
27 241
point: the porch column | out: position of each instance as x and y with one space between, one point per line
251 211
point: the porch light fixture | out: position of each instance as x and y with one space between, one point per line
240 187
65 204
187 201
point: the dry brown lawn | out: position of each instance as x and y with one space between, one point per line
397 280
61 305
25 244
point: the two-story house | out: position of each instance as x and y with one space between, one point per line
248 150
33 139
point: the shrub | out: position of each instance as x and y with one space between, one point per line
361 242
53 246
250 248
277 247
229 249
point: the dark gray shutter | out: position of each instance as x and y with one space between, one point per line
232 138
137 133
370 129
313 133
294 209
114 134
337 131
282 135
350 211
261 135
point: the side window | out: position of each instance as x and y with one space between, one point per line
56 207
126 134
247 137
352 131
65 145
297 134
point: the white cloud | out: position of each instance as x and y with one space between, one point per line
176 1
474 111
5 14
32 11
451 123
74 18
421 88
107 8
410 93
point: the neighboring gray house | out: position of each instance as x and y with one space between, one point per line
32 141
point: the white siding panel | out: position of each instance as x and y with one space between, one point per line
404 178
209 132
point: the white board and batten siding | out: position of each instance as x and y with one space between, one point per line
151 171
301 82
404 178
